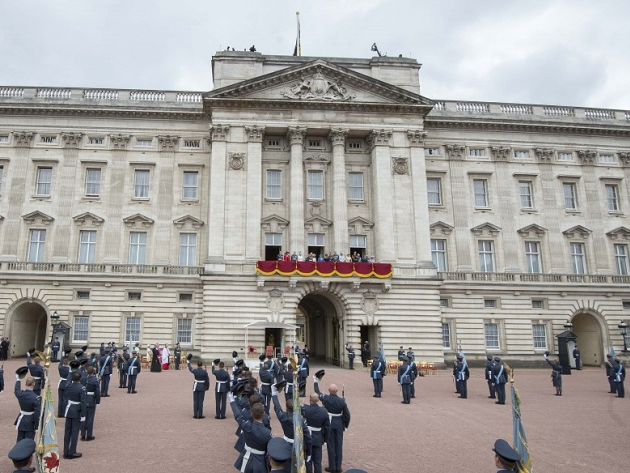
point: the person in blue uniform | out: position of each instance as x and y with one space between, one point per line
1 379
377 368
401 353
93 398
177 355
30 404
488 376
93 360
619 372
56 346
287 375
318 426
350 351
256 437
610 374
556 374
279 452
404 380
302 373
222 385
64 371
123 366
286 422
106 364
576 357
505 457
500 378
266 379
339 417
414 376
132 373
22 455
76 409
36 370
462 373
200 386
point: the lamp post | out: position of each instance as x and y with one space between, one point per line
624 332
568 326
54 320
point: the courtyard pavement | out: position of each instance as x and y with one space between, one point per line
585 430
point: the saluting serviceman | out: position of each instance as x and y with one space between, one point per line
500 378
350 351
286 422
37 371
76 399
223 384
488 376
376 373
93 398
256 437
318 425
200 386
404 379
30 403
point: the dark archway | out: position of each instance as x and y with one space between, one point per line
323 328
28 328
587 329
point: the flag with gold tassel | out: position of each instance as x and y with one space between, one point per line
299 462
520 440
47 453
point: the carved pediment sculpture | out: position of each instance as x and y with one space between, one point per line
318 87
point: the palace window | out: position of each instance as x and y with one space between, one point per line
274 184
570 195
355 186
132 330
92 182
532 257
526 193
486 256
44 181
564 156
87 246
612 197
80 329
446 335
491 332
578 263
315 185
184 330
621 259
190 185
36 244
434 191
137 247
480 188
187 249
141 184
539 335
438 254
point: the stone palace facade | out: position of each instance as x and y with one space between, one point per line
133 215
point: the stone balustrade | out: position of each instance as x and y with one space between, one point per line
534 278
22 266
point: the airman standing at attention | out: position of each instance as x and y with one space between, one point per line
339 418
350 351
610 374
462 373
376 373
404 379
76 399
500 378
488 376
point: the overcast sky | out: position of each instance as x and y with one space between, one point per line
566 52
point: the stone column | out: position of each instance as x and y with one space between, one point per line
216 209
337 137
163 236
254 136
296 190
512 246
460 198
420 197
113 229
382 184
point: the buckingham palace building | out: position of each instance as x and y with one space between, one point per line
318 201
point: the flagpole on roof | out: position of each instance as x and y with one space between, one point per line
297 51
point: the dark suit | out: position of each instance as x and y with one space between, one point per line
76 400
177 353
93 398
56 346
376 373
610 375
200 386
256 437
576 357
266 378
339 417
220 393
30 404
318 425
64 372
288 377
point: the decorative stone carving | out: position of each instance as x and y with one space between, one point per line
188 221
318 158
379 138
71 140
324 284
625 158
587 156
369 303
119 141
219 132
37 217
455 151
275 301
440 228
292 284
486 229
619 233
337 136
400 165
88 219
578 231
416 137
255 133
532 230
544 155
296 135
500 153
236 161
318 87
168 142
138 220
23 139
356 285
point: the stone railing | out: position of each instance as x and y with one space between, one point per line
534 278
21 266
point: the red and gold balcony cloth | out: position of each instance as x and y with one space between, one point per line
309 268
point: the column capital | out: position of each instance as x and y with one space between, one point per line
23 139
544 155
500 153
296 135
255 133
379 138
71 140
625 158
455 151
119 141
587 156
416 137
219 132
168 142
337 136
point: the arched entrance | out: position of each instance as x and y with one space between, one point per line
323 327
28 328
588 330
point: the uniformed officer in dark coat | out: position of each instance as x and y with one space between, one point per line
256 436
377 368
1 379
350 351
287 375
505 457
22 455
404 380
401 353
64 371
414 377
36 370
280 453
123 366
556 374
576 357
200 386
30 404
462 373
318 425
339 417
93 360
222 387
619 372
76 401
286 422
177 355
302 373
500 378
93 398
56 346
106 364
488 376
610 374
266 379
132 373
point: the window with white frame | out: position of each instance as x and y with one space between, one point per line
621 259
141 183
83 295
446 335
491 332
36 246
612 197
357 241
4 138
187 249
355 186
607 158
190 185
480 189
316 239
184 331
354 145
315 185
431 151
569 191
490 303
274 184
565 156
526 192
532 257
132 329
144 143
80 329
486 256
137 248
434 191
273 239
539 335
43 183
192 144
438 254
476 152
578 263
538 304
92 182
521 154
87 247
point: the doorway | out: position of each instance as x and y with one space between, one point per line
28 328
368 333
589 339
323 327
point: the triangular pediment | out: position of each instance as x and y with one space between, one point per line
440 228
37 217
318 81
274 223
577 231
619 233
138 220
87 218
358 225
317 224
188 221
532 230
486 229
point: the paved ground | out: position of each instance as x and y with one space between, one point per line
585 430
